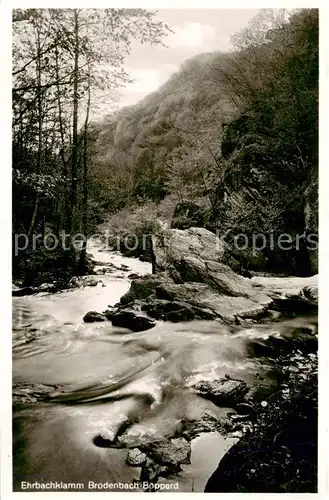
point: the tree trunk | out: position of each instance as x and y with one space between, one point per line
39 153
83 254
62 151
74 159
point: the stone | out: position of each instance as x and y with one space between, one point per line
173 311
20 292
195 256
127 318
201 295
109 312
206 423
170 452
47 287
190 273
143 287
284 287
223 392
133 276
171 246
89 281
151 471
93 316
135 457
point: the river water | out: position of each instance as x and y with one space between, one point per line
102 376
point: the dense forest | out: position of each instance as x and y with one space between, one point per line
233 134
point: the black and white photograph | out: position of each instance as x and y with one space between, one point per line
165 249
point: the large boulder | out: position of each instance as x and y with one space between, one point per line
20 292
202 295
162 299
170 246
196 255
191 282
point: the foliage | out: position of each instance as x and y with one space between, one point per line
65 62
271 149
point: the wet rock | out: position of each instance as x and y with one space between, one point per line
207 423
93 316
105 270
203 296
133 276
170 452
135 457
87 281
195 255
189 269
166 310
82 281
127 318
109 312
143 287
47 287
285 287
225 391
151 471
20 292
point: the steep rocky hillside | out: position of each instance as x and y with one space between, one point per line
170 138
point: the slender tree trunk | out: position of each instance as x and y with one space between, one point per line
74 159
62 152
83 254
39 153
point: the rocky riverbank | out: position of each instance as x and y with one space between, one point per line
277 452
191 282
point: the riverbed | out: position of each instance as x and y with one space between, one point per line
99 376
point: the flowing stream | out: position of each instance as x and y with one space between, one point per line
102 376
